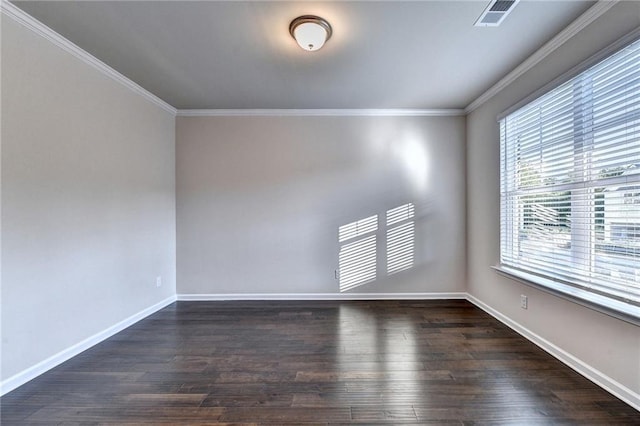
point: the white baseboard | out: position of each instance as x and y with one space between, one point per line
627 395
599 378
321 296
31 373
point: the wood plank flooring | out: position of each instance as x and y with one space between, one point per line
369 362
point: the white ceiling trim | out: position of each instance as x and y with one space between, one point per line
571 73
574 28
320 112
42 30
39 28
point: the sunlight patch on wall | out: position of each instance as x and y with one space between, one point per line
358 256
357 259
358 228
400 238
413 156
407 146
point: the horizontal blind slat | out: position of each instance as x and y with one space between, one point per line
570 181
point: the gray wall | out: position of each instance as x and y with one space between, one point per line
88 204
606 344
260 200
88 201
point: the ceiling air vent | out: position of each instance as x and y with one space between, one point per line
495 13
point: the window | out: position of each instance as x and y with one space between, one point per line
357 260
632 198
569 185
625 231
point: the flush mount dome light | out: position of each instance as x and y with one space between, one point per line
311 32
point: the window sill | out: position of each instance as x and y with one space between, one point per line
614 308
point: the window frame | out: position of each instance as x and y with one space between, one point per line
566 289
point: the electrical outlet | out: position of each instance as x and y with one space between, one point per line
158 281
524 301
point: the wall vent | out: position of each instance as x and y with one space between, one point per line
495 13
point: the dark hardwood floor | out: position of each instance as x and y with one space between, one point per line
394 362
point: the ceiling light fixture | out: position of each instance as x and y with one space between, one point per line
311 32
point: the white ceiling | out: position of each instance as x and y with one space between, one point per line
239 54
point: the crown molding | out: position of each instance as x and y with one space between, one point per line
575 27
42 30
320 112
593 13
601 55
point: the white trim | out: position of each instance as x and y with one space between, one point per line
599 56
43 366
627 395
320 112
39 28
593 13
42 30
557 287
599 378
320 296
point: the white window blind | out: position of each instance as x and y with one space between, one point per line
570 182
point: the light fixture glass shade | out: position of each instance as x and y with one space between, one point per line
310 32
310 36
